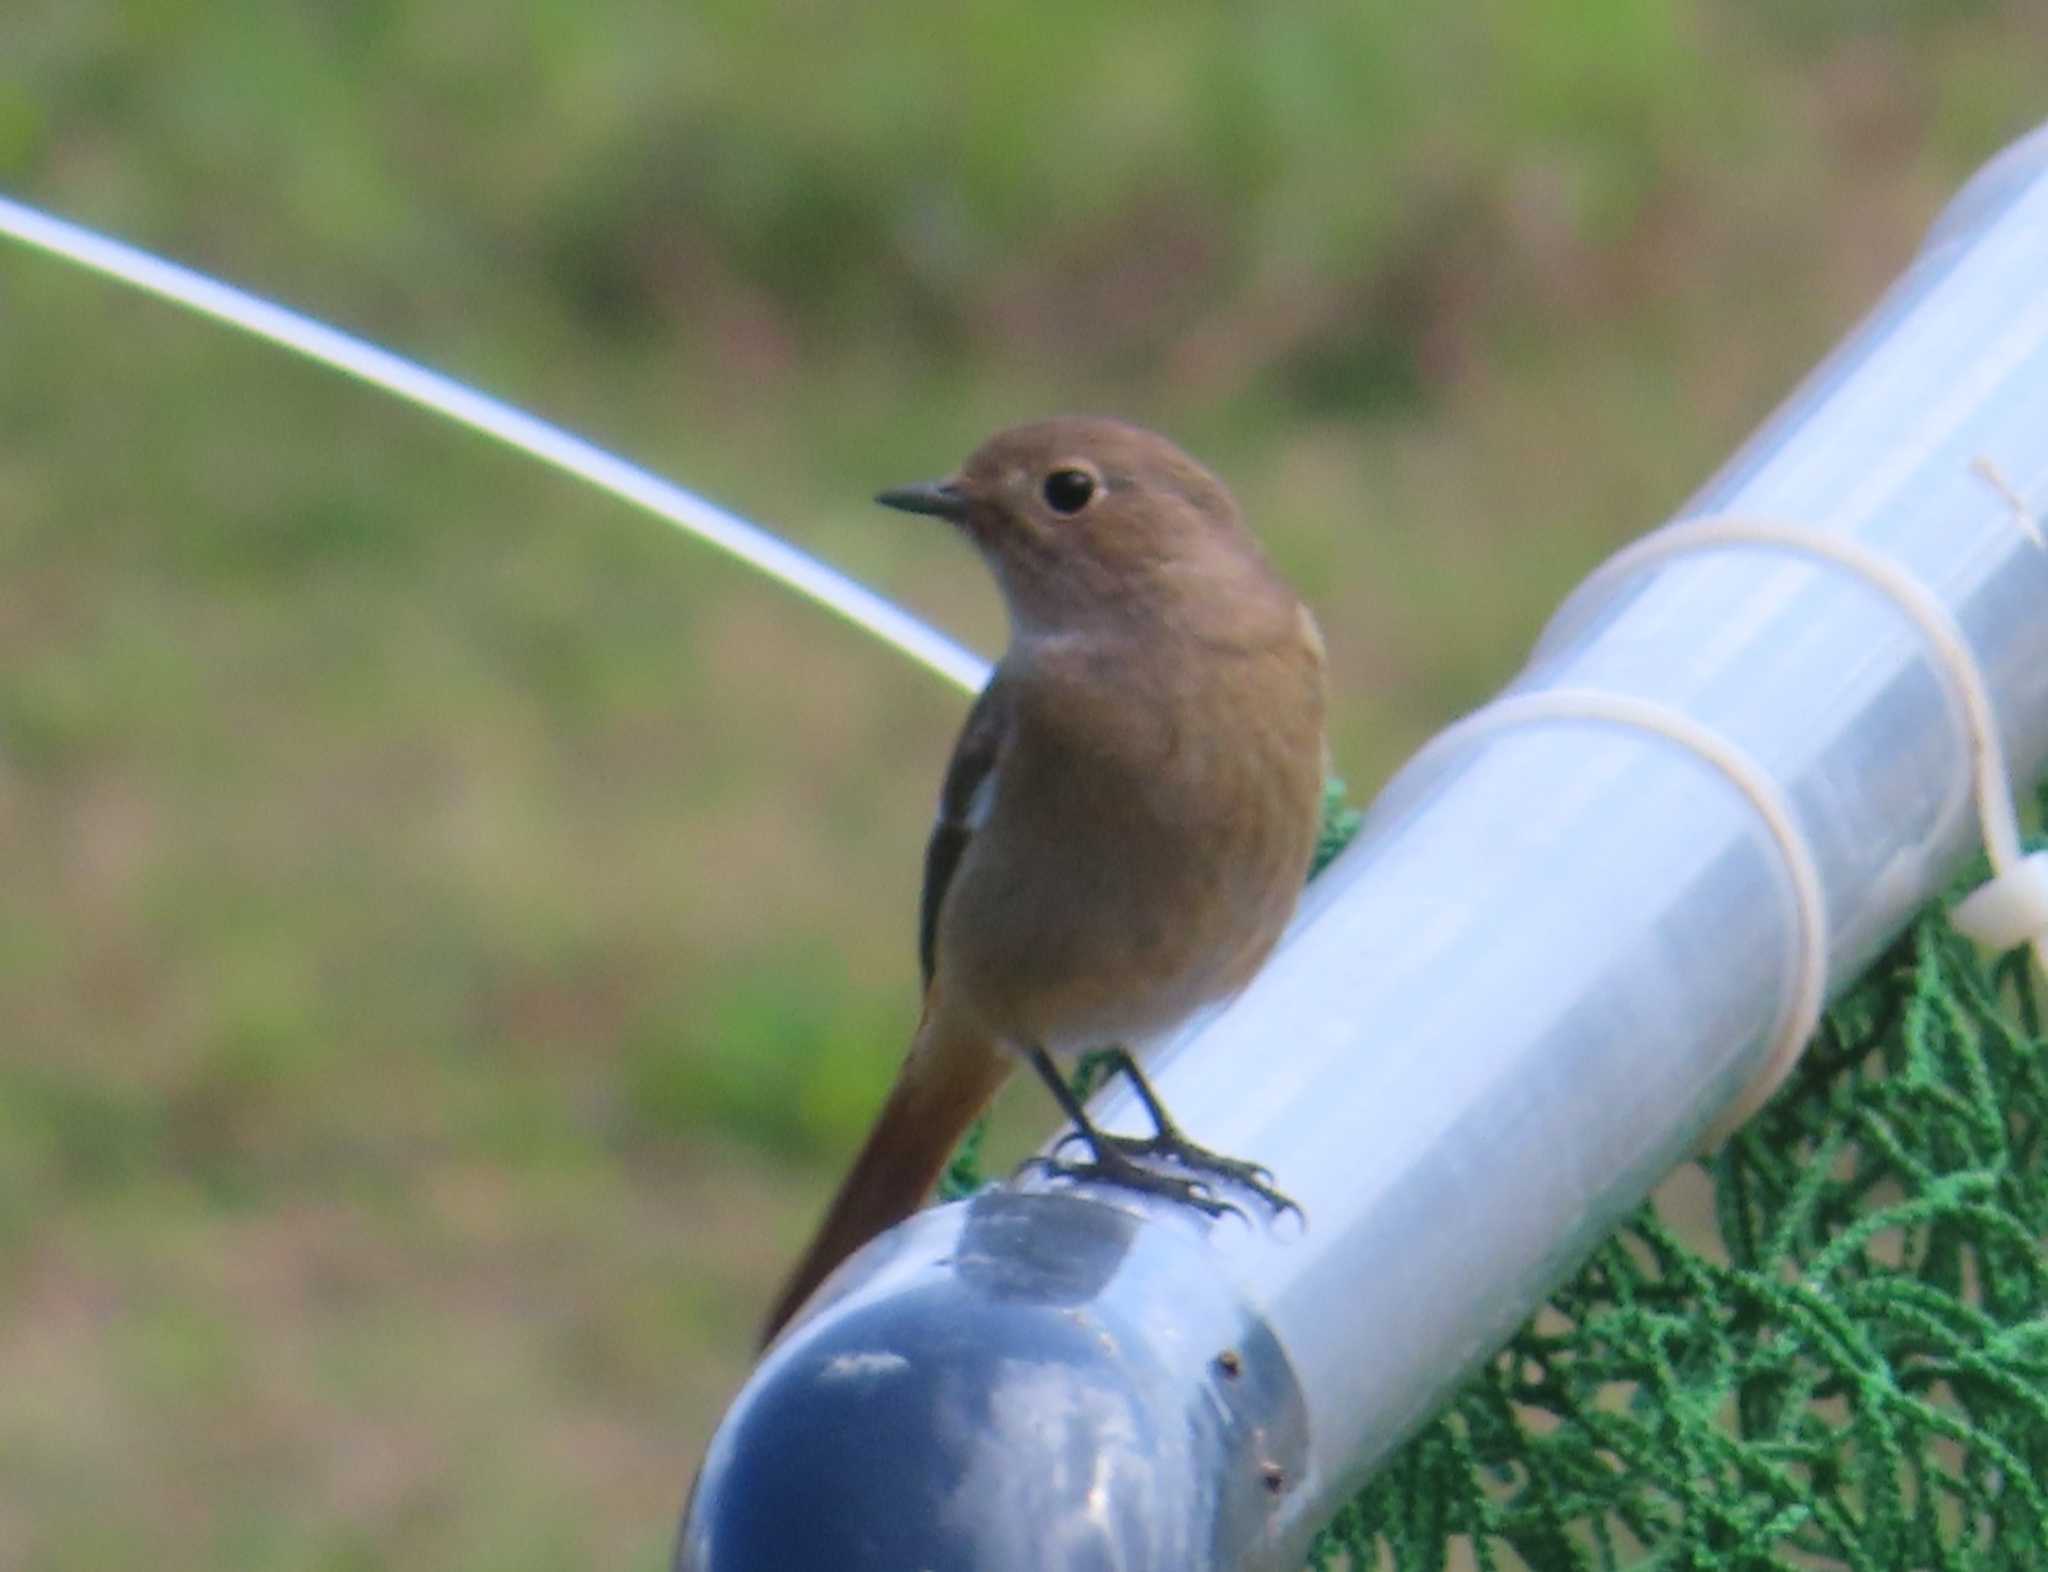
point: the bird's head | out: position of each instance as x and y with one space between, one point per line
1082 517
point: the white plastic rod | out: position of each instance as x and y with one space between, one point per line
407 379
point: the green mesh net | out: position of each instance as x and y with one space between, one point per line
1849 1368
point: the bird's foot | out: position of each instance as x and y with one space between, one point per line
1139 1153
1128 1160
1112 1164
1175 1147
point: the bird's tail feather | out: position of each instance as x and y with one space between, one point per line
947 1078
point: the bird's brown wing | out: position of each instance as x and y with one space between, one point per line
963 800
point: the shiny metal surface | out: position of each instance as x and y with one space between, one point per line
1018 1383
1556 953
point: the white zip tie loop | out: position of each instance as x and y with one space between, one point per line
2010 910
2013 907
1806 960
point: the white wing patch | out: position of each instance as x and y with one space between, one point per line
982 802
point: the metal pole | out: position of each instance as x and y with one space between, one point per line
1558 952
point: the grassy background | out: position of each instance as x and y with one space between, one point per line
451 928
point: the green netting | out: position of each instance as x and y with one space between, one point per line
1848 1369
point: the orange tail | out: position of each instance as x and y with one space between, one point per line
946 1080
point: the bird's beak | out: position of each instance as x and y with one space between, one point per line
939 498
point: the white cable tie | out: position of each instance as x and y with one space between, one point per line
1986 469
1956 668
2009 911
2012 908
1799 1010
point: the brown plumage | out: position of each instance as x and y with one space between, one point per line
1130 810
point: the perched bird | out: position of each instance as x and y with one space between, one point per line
1128 817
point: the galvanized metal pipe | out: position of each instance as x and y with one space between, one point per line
1556 954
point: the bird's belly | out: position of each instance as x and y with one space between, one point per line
1126 1018
1082 947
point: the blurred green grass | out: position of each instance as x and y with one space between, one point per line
452 928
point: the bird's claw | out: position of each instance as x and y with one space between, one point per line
1169 1143
1112 1166
1255 1177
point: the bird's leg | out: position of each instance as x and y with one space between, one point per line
1170 1141
1167 1140
1112 1163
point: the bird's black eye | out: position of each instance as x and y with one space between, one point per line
1069 490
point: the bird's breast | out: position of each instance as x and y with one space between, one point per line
1140 849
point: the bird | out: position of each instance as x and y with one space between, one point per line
1127 820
